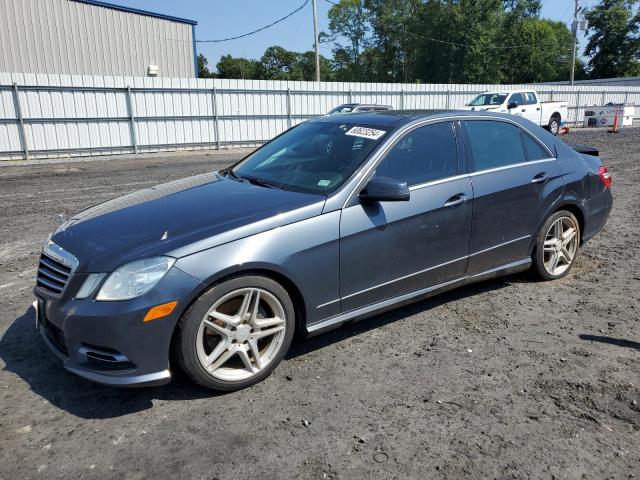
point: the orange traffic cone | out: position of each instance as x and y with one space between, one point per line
614 129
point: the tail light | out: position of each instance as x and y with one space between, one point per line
605 176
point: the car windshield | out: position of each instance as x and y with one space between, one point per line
314 157
488 99
342 109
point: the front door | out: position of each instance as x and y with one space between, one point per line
515 183
532 107
390 248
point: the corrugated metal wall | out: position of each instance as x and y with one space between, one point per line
60 115
71 37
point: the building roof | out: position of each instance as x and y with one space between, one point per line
137 11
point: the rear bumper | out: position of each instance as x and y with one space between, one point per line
108 342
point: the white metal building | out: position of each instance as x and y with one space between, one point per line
88 37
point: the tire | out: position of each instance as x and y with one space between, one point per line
547 249
223 342
554 125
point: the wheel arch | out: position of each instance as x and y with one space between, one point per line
576 210
569 206
269 271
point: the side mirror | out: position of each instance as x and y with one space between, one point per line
512 104
381 189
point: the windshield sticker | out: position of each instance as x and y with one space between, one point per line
324 183
365 132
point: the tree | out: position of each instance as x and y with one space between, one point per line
348 21
203 69
280 64
230 67
307 67
543 53
614 46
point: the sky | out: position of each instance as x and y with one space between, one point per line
225 18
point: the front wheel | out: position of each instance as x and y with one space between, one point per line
236 333
557 245
554 125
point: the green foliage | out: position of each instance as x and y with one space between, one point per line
230 67
452 41
203 69
277 63
614 46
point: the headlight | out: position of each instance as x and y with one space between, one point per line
135 279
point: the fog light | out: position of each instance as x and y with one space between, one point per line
160 311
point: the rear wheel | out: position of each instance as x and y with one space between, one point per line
554 125
557 245
236 333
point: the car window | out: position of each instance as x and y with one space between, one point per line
488 99
534 149
530 98
313 157
516 97
494 144
425 154
341 109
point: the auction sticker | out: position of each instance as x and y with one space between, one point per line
364 132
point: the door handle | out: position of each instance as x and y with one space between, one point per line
456 200
540 178
524 109
538 109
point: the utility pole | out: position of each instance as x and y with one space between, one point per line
574 30
315 39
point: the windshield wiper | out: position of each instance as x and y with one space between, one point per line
228 172
262 182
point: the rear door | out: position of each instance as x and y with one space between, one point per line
515 182
390 248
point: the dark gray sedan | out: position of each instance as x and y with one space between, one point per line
334 220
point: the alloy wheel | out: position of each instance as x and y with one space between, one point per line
560 246
241 334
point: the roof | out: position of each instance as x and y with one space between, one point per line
381 117
137 11
395 118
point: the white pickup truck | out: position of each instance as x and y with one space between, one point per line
524 103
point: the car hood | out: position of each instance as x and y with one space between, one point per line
178 218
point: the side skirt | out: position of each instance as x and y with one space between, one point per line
407 298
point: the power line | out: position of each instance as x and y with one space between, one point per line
259 29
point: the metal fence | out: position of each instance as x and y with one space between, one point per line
61 115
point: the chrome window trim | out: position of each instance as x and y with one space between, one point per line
436 182
373 162
391 141
507 167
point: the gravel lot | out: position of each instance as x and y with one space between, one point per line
507 379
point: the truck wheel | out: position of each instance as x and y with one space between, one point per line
554 125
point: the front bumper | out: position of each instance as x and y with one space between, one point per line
108 342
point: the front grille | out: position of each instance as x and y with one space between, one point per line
52 275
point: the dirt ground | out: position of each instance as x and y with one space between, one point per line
507 379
